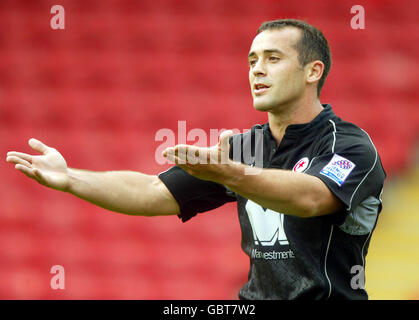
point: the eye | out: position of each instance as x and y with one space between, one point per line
252 62
273 58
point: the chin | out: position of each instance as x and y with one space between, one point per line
262 105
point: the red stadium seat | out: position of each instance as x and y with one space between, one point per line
122 70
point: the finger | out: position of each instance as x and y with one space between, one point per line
192 154
38 146
27 171
39 176
168 150
17 160
181 152
172 157
199 155
24 156
225 145
184 155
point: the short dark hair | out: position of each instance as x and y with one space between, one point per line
311 46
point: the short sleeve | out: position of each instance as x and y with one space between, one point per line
194 195
353 172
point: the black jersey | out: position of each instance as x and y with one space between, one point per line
301 258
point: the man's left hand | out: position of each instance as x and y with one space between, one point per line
206 163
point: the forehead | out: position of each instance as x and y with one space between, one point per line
283 39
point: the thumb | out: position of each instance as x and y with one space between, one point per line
38 145
225 138
224 145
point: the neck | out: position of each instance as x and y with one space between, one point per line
296 114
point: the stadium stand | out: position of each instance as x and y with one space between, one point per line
121 70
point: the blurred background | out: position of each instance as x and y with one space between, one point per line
99 90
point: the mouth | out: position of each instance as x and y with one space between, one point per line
260 88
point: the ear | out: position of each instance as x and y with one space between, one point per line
314 71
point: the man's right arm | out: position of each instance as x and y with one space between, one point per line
125 192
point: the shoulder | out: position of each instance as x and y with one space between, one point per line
351 138
343 136
345 143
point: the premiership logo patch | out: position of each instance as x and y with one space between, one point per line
338 169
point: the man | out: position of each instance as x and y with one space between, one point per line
307 209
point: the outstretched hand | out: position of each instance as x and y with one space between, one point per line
49 169
203 162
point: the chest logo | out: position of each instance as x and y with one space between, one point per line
267 225
301 165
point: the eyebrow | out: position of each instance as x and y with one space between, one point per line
252 53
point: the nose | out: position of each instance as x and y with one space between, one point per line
259 68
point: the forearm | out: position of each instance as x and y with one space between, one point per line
283 191
125 192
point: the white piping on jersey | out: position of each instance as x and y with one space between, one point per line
331 229
362 251
334 135
380 197
309 165
325 263
333 145
375 161
363 260
369 235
